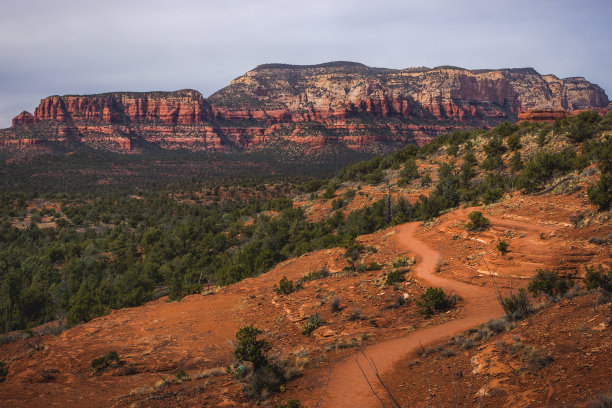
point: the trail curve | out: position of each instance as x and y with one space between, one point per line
347 385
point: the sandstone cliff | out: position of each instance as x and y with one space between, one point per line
338 102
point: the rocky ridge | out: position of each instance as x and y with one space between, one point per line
338 102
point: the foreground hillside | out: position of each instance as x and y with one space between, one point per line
300 107
159 339
349 265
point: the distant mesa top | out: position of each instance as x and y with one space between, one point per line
339 102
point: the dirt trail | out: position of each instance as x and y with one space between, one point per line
347 386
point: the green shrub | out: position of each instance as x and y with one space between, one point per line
514 141
394 277
516 306
249 348
434 300
583 126
182 375
329 192
516 163
3 371
318 274
505 129
544 167
337 204
598 278
349 195
111 359
409 172
292 403
400 262
502 246
601 193
313 322
285 287
549 283
478 222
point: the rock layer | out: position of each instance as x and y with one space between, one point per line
339 102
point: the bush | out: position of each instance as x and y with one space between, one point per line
514 141
329 192
313 322
516 306
285 287
502 246
401 261
478 222
290 404
598 278
334 305
409 172
497 325
394 277
3 371
182 375
550 284
319 274
544 167
337 204
111 359
434 300
583 126
249 348
356 314
603 401
601 193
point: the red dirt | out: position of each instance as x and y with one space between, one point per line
480 307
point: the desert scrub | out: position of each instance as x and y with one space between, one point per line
478 222
402 261
516 306
434 300
502 246
285 287
334 305
313 322
394 277
310 276
110 360
292 403
550 284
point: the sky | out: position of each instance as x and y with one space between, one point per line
79 47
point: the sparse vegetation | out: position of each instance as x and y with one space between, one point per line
394 276
110 360
550 284
285 287
478 222
516 305
434 300
502 246
313 322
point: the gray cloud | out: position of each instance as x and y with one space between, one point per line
66 46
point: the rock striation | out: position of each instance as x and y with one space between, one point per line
313 105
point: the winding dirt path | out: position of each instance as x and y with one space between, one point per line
347 386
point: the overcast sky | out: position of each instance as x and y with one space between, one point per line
61 46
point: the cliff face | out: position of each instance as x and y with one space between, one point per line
338 102
115 120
